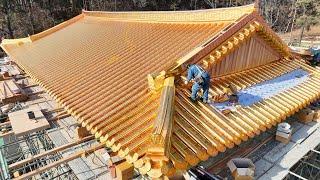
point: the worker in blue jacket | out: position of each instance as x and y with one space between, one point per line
316 55
201 79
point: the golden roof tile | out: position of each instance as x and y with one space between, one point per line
96 66
221 130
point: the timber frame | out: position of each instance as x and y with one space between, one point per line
133 101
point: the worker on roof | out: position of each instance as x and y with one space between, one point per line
201 79
316 55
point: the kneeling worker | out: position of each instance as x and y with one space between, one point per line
201 79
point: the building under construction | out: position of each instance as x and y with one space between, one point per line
101 96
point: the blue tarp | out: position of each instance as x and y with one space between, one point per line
268 88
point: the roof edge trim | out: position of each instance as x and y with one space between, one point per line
202 51
276 37
15 41
218 14
199 52
56 28
42 34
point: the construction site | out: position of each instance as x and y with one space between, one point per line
105 95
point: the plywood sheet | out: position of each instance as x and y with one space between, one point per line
22 125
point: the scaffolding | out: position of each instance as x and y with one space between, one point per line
24 154
307 168
16 149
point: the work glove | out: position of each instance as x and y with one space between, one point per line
186 82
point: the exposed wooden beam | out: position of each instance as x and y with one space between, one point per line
49 152
60 116
61 161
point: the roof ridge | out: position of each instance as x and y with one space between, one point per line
204 15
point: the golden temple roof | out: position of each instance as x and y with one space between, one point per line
96 66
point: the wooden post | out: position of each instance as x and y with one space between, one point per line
283 133
82 132
305 115
124 171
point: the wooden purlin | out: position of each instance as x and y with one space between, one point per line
8 94
246 122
